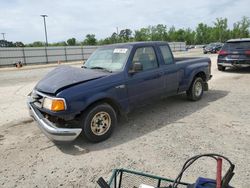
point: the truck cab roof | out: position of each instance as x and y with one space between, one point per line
136 44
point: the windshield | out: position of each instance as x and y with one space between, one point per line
237 45
111 59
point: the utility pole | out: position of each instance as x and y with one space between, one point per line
46 44
3 35
45 29
117 36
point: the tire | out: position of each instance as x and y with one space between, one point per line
196 89
99 122
221 68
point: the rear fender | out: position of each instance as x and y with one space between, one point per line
197 73
201 69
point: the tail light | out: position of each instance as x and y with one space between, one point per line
209 65
247 52
223 52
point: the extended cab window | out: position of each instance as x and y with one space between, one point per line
166 54
146 56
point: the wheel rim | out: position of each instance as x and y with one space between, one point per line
100 123
198 89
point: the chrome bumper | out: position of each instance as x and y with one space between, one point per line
49 129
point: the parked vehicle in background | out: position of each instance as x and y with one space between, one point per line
188 47
235 53
212 48
114 80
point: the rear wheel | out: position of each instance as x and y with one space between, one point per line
98 122
221 68
196 89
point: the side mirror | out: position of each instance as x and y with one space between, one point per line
137 67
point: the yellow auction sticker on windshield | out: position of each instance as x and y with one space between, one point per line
120 50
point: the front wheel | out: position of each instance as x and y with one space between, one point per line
196 89
98 122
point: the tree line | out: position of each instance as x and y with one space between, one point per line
202 34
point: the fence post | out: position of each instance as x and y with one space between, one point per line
65 54
82 53
24 57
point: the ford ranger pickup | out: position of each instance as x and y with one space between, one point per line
114 80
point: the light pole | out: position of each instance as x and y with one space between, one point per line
3 36
45 29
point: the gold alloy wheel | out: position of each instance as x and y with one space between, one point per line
100 123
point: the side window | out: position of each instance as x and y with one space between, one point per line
167 55
146 56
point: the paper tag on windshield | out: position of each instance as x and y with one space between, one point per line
120 50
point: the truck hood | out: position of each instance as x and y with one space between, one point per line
66 76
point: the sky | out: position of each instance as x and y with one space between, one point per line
21 20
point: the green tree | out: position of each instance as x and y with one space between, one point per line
71 42
36 44
18 44
5 43
62 43
125 35
114 38
158 32
220 30
142 34
172 34
236 31
180 35
90 40
241 28
189 36
203 34
245 25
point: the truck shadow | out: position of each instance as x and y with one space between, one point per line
145 120
241 70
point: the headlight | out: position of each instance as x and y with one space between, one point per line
54 104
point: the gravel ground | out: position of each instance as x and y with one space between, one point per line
157 138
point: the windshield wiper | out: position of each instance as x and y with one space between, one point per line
102 68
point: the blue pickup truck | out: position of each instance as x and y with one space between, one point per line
113 81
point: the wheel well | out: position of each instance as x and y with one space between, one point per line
201 75
113 104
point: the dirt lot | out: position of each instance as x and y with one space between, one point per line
156 139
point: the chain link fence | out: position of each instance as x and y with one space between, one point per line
43 55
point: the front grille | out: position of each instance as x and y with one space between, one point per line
37 98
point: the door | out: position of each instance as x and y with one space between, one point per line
148 83
171 71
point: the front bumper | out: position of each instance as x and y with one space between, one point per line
49 129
